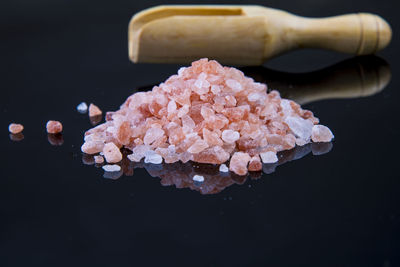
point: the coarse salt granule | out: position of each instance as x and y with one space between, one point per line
54 127
82 107
15 128
94 110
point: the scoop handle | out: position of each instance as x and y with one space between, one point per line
358 34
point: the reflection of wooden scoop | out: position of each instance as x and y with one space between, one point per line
246 35
356 77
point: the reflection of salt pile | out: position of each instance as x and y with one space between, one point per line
181 174
208 114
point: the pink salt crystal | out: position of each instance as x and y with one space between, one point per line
255 164
215 89
54 127
187 123
186 156
183 111
169 154
124 133
94 110
15 128
230 100
211 138
213 155
98 159
198 146
112 153
321 133
152 135
238 163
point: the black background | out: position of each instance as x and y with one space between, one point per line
338 209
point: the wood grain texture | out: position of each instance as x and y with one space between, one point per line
246 35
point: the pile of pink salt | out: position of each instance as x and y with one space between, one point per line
206 113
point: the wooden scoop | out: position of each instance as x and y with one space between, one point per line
246 35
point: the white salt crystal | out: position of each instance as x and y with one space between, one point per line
268 157
300 127
138 153
152 157
198 83
111 168
234 85
215 89
202 76
198 178
223 168
171 107
181 70
254 97
301 142
82 107
321 133
230 136
286 107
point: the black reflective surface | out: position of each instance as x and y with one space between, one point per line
340 208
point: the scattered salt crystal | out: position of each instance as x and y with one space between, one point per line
94 110
54 127
15 128
321 133
152 157
99 159
198 178
230 136
111 168
223 168
112 153
268 157
82 107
